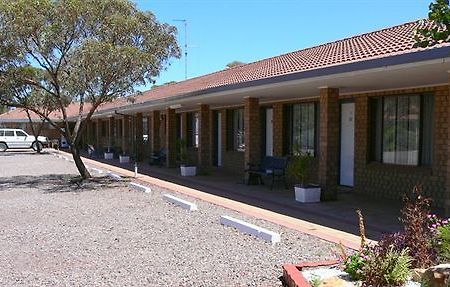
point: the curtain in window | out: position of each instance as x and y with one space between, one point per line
401 123
195 129
303 128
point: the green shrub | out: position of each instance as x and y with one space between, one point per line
353 265
417 237
315 282
299 168
443 243
389 269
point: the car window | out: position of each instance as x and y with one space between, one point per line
2 133
20 134
9 133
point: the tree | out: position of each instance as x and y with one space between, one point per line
439 31
85 51
235 64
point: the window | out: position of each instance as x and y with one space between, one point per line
235 130
9 133
238 130
20 134
2 133
193 129
402 129
302 122
304 128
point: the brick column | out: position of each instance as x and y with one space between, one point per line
126 134
139 139
111 139
362 129
329 142
252 134
204 145
446 96
155 123
98 124
171 137
278 132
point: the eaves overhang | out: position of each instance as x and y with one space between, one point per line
365 65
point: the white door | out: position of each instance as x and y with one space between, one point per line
347 144
269 132
219 139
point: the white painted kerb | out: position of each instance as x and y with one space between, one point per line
139 187
180 202
252 229
114 176
97 170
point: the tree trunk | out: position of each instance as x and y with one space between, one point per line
79 163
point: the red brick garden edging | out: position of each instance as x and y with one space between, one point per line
293 277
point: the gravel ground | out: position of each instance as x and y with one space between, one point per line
104 234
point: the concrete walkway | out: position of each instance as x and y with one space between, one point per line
333 221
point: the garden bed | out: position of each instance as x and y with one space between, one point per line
416 256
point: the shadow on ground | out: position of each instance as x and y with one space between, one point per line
22 152
57 183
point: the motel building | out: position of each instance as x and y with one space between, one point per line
372 109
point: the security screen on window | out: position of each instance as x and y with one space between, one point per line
303 128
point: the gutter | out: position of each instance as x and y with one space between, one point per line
409 58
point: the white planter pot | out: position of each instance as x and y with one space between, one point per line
124 159
307 194
109 155
188 170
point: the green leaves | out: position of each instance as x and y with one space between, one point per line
54 52
92 50
439 31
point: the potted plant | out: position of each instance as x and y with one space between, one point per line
123 158
299 169
108 153
186 168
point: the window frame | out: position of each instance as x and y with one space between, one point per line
17 134
289 143
193 129
425 129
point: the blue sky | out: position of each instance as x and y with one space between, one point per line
221 31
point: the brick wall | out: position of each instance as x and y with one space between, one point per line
392 181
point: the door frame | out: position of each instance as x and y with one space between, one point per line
346 101
265 131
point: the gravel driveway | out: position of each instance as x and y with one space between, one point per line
103 234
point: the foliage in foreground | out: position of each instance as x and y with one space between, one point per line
87 52
439 15
391 268
416 234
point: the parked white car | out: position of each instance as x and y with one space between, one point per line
17 138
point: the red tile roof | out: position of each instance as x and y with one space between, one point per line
71 110
379 44
383 43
